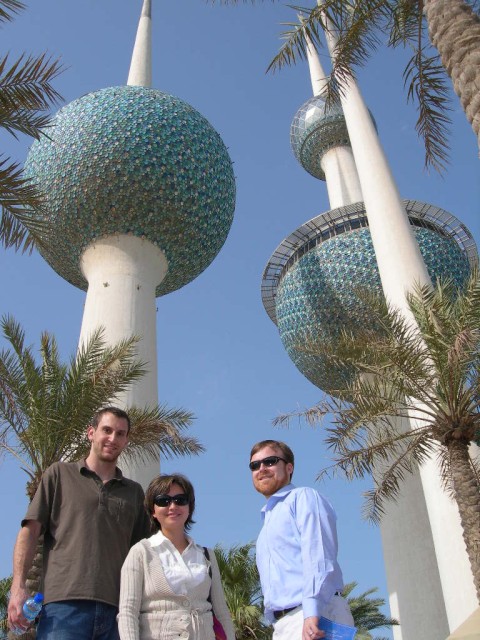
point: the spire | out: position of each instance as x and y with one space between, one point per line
318 76
140 73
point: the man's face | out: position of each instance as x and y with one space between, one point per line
110 437
268 480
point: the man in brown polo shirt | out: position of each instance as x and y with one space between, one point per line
90 516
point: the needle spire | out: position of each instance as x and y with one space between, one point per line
140 73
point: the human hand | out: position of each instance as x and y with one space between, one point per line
311 630
16 619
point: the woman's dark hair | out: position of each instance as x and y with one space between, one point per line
161 485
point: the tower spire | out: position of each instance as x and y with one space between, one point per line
318 77
140 73
332 151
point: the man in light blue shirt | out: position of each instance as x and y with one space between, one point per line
296 549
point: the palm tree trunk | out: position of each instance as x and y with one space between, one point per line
454 30
465 486
34 582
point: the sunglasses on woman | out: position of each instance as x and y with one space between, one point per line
164 500
271 461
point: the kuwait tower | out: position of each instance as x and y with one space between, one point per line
139 199
371 238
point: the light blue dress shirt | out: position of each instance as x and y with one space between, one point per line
297 552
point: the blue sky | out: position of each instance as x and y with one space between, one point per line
219 354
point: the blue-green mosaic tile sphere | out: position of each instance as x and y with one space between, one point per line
137 161
316 299
314 130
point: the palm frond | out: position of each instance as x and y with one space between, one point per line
160 430
30 123
294 47
405 19
26 86
46 405
366 610
425 80
5 586
414 392
9 8
358 35
241 583
18 198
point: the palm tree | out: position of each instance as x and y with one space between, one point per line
5 584
46 406
26 94
241 584
451 26
366 612
431 372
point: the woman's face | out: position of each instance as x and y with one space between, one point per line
172 517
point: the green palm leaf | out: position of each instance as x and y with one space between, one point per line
366 612
8 9
241 584
25 89
46 404
26 95
430 371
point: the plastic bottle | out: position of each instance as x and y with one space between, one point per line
31 609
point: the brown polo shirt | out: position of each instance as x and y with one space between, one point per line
88 529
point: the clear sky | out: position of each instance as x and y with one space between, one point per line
219 354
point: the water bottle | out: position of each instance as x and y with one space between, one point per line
31 609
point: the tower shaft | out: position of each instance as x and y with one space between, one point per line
338 163
341 177
123 272
401 267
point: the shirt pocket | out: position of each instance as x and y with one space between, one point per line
122 512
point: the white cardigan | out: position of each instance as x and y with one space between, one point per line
150 610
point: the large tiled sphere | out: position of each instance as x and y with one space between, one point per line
133 160
315 129
316 297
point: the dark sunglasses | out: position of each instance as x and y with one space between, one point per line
271 461
163 500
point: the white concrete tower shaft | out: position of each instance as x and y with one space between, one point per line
401 267
123 272
338 164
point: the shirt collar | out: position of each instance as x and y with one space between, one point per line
159 540
83 469
279 495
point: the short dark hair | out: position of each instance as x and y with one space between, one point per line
280 446
119 413
162 484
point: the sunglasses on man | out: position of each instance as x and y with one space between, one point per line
164 500
271 461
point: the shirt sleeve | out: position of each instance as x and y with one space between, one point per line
316 523
40 507
131 590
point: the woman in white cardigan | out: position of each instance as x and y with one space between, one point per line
168 587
